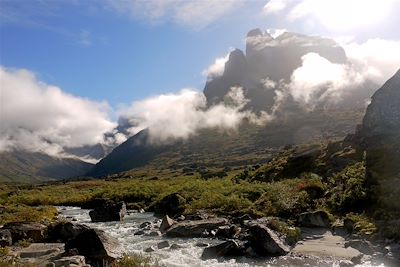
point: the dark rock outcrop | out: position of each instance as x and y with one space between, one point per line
94 244
195 228
266 242
228 248
5 238
171 205
314 219
35 232
379 137
109 211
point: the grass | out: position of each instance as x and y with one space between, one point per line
135 260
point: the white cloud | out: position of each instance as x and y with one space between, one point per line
319 80
379 58
338 16
217 68
194 13
42 118
275 6
181 115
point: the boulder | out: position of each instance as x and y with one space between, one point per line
171 205
166 223
39 254
163 244
314 219
198 215
363 246
94 244
195 228
64 231
110 211
226 249
227 231
266 242
35 232
70 261
5 238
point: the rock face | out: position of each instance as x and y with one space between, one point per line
195 228
266 242
36 232
108 212
171 205
379 137
226 249
314 219
5 238
269 60
166 223
94 244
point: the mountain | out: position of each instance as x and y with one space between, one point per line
250 144
31 167
269 62
379 137
266 59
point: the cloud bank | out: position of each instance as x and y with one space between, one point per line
42 118
181 115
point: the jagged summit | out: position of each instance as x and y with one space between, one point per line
268 58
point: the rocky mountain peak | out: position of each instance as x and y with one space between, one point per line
383 114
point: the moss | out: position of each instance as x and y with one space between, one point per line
135 260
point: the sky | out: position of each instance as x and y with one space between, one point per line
102 56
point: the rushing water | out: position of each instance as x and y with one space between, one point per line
188 254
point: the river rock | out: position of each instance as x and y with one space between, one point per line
77 261
361 245
108 212
171 205
226 249
163 244
95 245
227 231
195 228
5 238
166 223
39 254
314 219
266 242
36 232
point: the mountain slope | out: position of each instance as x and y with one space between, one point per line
250 144
379 136
30 167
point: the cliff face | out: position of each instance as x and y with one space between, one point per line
379 136
269 59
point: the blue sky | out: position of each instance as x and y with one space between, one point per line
92 51
125 50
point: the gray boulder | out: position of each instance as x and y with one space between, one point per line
266 242
195 228
226 249
166 223
110 211
5 238
36 232
171 205
314 219
95 245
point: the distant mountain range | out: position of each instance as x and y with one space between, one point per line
30 167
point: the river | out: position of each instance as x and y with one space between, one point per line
189 254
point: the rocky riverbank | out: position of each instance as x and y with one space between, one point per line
81 239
